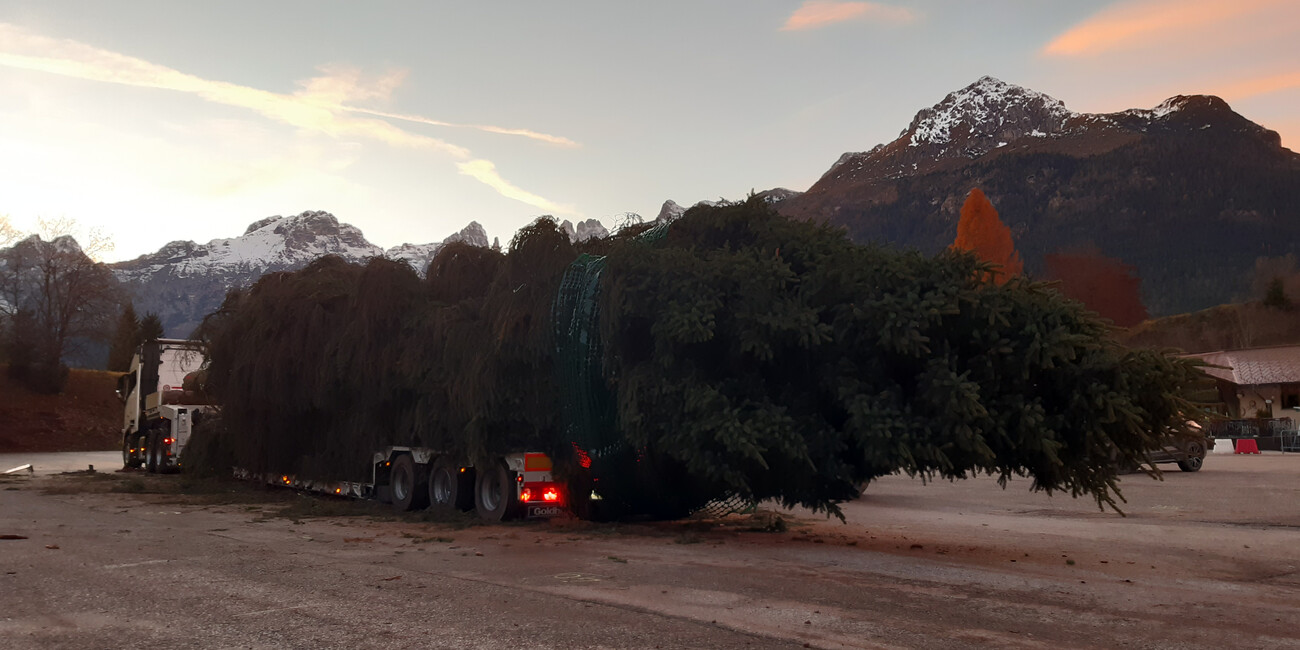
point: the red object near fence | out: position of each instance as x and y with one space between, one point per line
1247 446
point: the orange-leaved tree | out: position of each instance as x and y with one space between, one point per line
1105 285
983 233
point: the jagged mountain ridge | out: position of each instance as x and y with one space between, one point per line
1189 192
184 281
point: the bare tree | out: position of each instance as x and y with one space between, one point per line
8 233
61 296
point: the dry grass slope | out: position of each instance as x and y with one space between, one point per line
1226 327
85 417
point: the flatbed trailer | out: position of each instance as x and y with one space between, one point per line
513 486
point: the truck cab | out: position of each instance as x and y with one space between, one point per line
158 411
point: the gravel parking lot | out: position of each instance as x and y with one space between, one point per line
1202 560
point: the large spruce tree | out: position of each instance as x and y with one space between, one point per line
744 355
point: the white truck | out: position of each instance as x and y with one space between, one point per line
159 413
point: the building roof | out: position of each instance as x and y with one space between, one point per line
1275 365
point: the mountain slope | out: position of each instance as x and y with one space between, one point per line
185 281
1189 192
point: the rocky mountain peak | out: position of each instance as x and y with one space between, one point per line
670 211
584 230
985 115
472 234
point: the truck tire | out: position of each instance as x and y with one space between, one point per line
449 488
494 493
130 455
407 488
152 441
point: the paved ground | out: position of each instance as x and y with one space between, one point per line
1206 560
46 463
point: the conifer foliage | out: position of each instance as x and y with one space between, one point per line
745 355
981 232
125 339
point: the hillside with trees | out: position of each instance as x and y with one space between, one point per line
1185 198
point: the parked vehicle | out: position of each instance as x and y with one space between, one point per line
159 412
1189 454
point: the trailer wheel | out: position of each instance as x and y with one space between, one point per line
405 484
448 487
494 493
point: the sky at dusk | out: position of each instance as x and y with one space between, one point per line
165 120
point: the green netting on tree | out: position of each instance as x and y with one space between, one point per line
588 405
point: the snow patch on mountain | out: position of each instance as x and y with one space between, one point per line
419 255
1163 110
670 211
988 107
273 243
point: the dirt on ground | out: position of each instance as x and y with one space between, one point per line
86 416
1202 560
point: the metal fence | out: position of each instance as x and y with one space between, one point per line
1283 429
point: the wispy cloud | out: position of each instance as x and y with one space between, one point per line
534 135
814 14
322 104
485 172
1260 86
1140 22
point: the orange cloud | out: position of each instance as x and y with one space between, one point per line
1139 22
1262 86
814 14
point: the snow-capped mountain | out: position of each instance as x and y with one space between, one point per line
670 211
1188 192
419 255
992 116
184 281
271 244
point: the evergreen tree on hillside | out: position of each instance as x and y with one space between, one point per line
983 233
125 339
151 328
1276 296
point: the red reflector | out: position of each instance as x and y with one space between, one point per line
584 460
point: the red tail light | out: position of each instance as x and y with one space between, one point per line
551 495
526 495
